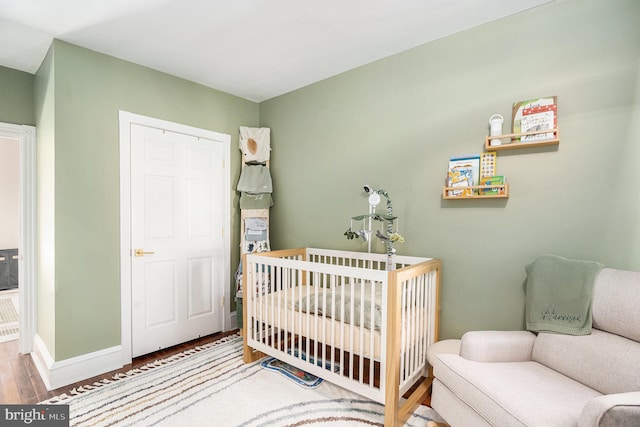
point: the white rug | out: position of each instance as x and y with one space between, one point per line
9 326
211 386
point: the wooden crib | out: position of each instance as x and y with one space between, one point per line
342 317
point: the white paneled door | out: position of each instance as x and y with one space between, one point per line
177 274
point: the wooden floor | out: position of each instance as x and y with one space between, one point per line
20 381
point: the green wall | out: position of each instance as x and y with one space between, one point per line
394 124
45 200
89 90
16 97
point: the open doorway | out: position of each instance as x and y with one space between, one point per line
9 238
19 145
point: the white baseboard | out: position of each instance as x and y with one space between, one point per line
69 371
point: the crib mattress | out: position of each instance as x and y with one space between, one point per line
280 311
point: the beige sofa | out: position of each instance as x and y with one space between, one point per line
518 378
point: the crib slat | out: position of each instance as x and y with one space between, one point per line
419 321
335 336
361 333
323 349
371 354
351 327
285 285
413 335
403 336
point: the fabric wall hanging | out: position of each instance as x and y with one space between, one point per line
255 144
255 179
255 201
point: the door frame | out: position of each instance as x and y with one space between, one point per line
126 119
27 261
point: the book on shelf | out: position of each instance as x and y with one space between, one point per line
535 115
492 180
465 168
460 177
537 119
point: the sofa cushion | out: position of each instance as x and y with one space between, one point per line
605 362
497 346
453 409
442 347
615 303
514 393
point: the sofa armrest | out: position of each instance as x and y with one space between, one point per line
497 346
619 410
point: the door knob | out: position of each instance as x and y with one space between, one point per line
141 252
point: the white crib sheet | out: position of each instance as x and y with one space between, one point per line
280 313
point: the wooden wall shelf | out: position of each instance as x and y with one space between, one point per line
514 143
503 192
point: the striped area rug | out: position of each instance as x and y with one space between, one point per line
211 386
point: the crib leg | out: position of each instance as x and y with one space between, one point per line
396 416
248 354
416 398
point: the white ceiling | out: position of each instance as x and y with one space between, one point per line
255 49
